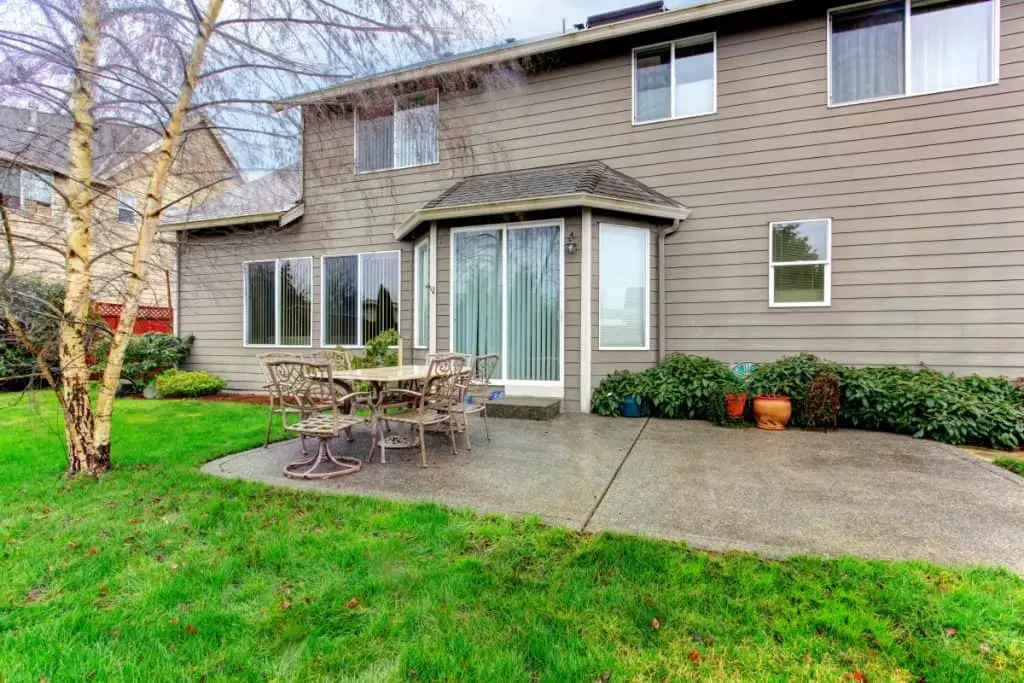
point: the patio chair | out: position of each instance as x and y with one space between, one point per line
340 359
430 407
475 385
273 391
310 389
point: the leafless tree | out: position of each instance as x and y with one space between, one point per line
165 69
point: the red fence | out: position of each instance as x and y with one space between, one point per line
150 318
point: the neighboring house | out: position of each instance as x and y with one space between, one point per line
33 185
743 179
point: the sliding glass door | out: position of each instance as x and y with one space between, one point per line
507 298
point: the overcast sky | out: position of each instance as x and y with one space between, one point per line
531 18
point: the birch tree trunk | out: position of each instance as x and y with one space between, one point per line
79 424
150 216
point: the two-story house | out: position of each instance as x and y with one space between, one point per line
33 185
743 179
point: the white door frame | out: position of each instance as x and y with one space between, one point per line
515 387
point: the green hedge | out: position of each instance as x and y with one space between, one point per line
181 384
983 411
147 356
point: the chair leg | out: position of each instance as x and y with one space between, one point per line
487 429
451 434
423 448
465 425
373 444
270 422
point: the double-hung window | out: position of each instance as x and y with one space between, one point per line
674 80
22 188
800 263
278 302
624 273
360 297
911 47
421 289
397 133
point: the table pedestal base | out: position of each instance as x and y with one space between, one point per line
324 465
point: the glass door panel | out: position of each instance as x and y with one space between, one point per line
534 328
477 280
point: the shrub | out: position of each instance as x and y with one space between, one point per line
378 352
715 409
147 356
679 387
789 376
181 384
821 403
38 306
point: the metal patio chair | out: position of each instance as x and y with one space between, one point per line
273 391
475 393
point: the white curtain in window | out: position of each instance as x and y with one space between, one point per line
950 45
622 267
415 135
422 285
534 276
867 52
295 296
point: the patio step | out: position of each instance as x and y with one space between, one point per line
525 408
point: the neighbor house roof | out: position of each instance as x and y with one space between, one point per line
40 140
274 197
591 184
512 49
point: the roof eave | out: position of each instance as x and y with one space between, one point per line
683 15
226 221
565 201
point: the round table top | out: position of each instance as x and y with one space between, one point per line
401 373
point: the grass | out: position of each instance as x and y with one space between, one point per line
1015 465
157 572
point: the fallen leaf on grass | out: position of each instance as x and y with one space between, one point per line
605 675
655 624
104 590
859 676
93 551
951 632
191 630
694 656
352 603
285 604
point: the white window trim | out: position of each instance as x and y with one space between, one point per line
827 262
394 106
417 296
120 203
906 55
689 40
647 288
277 314
359 285
516 387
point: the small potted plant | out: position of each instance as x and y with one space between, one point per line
772 411
735 399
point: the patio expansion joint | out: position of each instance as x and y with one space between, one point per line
615 475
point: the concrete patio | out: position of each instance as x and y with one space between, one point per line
847 492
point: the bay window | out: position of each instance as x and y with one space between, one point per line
800 263
624 273
397 133
278 302
911 47
359 297
674 80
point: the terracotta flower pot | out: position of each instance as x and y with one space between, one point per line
735 404
772 412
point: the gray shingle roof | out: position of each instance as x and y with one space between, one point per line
275 192
585 177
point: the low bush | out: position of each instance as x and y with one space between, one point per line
379 351
147 356
975 410
821 403
38 306
181 384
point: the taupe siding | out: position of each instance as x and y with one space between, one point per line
925 195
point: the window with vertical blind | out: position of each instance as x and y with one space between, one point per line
359 297
911 47
624 273
398 133
278 302
800 263
421 296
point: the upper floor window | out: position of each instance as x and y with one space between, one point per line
21 188
911 47
125 208
674 80
397 134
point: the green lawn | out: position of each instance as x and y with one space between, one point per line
1015 465
158 572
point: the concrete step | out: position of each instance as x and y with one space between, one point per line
525 408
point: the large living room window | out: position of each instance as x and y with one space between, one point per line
278 302
360 297
397 133
674 80
624 273
800 263
891 49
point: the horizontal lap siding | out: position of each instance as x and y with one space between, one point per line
925 194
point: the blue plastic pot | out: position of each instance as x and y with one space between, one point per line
629 407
